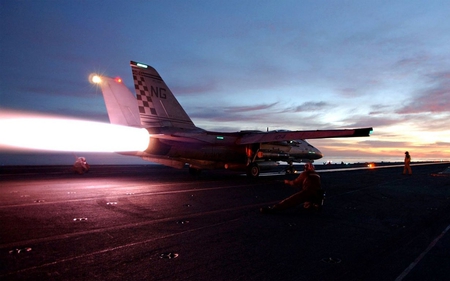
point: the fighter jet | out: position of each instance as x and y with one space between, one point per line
175 141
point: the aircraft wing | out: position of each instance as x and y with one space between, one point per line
264 137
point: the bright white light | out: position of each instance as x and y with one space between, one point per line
71 135
142 65
96 79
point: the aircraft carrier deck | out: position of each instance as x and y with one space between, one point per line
157 223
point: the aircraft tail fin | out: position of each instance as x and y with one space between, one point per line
157 106
120 102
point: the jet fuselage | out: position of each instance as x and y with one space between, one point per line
212 150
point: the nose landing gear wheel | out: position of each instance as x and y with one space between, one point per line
253 170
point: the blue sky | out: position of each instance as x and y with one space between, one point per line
238 65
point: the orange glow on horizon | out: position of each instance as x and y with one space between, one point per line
384 148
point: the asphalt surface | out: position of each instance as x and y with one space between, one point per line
157 223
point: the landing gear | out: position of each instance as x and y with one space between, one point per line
253 170
290 169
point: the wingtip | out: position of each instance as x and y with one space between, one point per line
364 132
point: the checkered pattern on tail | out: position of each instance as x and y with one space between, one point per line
145 103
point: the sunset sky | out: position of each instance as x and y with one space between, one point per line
241 65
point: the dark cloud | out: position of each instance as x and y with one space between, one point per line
443 144
417 60
231 113
182 88
380 109
435 99
429 122
382 143
311 106
370 121
240 119
247 109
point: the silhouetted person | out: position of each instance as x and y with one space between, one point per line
407 168
81 166
311 193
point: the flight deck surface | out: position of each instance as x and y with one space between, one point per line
157 223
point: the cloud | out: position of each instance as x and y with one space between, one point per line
371 121
239 115
380 109
182 88
412 61
311 106
435 99
247 109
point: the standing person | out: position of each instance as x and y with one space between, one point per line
310 194
407 168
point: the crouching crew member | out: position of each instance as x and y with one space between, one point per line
311 193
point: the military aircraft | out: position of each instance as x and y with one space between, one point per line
175 141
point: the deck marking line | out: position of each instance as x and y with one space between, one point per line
419 258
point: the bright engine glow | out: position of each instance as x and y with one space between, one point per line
58 134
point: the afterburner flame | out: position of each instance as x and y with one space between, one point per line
58 134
